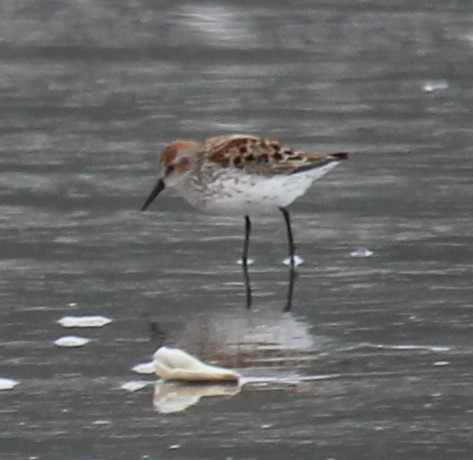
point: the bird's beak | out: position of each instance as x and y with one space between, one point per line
158 188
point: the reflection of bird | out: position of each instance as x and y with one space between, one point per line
156 334
240 174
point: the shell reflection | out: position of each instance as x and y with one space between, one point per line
170 397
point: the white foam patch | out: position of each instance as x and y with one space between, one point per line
134 385
84 321
71 341
297 261
361 252
249 261
7 384
434 85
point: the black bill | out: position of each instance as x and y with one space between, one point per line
159 187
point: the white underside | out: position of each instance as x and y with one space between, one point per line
252 194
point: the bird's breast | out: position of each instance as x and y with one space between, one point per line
240 193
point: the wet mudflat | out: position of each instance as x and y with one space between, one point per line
374 360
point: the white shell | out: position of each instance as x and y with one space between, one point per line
176 364
7 384
84 321
71 341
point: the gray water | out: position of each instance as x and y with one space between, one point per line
374 360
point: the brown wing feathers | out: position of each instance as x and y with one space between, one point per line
262 156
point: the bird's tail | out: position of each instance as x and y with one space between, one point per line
339 156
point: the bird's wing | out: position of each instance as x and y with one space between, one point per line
255 155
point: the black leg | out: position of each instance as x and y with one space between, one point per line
244 258
290 239
244 261
290 289
246 276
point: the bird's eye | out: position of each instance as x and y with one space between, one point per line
169 169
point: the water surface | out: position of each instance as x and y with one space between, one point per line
373 360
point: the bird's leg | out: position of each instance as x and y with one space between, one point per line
246 275
290 289
244 260
290 239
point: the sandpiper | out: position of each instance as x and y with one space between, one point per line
240 174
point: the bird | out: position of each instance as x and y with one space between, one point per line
240 174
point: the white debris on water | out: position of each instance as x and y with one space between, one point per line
7 384
101 422
134 385
84 321
434 85
441 363
71 341
297 261
361 252
144 368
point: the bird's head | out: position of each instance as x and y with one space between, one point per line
174 163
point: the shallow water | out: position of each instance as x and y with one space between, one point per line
374 358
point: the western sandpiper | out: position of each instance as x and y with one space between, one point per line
240 174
